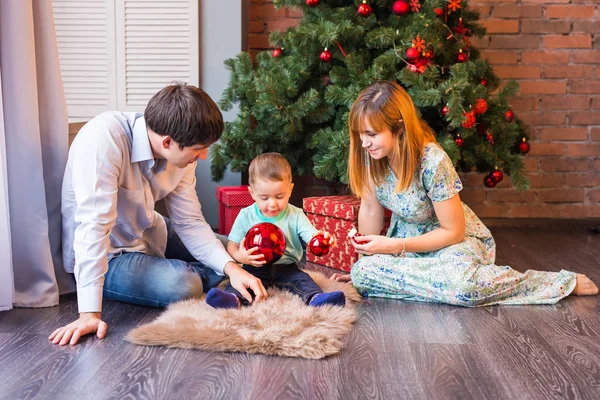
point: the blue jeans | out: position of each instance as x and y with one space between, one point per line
156 282
283 276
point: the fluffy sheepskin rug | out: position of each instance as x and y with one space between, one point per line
282 325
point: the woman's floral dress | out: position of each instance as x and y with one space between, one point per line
462 274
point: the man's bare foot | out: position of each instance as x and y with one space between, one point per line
584 286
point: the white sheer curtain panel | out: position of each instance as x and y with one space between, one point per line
34 132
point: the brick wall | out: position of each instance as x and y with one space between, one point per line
552 47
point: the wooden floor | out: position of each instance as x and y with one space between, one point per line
397 350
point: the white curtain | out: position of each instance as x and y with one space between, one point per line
34 135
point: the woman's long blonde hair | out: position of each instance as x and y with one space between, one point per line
386 105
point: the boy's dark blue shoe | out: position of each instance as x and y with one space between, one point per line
328 299
218 298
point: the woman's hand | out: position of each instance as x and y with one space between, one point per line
375 244
247 256
341 278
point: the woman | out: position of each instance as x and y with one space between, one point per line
436 248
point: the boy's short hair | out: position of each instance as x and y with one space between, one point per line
269 166
185 113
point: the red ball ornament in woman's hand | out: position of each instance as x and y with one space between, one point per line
319 245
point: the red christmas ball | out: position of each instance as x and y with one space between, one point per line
312 3
484 81
277 52
422 65
488 181
412 54
438 11
445 110
470 119
462 57
353 234
325 55
400 8
489 138
524 147
428 54
459 141
364 10
509 115
497 175
269 239
319 245
481 106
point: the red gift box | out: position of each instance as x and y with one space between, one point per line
231 201
336 215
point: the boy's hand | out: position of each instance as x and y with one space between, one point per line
246 256
327 235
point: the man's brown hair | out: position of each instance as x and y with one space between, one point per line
185 113
269 166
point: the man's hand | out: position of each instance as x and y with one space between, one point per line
242 281
86 324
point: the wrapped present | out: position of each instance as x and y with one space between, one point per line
231 201
336 215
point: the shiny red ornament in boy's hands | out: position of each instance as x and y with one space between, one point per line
269 239
319 245
312 3
364 10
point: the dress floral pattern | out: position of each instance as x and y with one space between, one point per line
463 274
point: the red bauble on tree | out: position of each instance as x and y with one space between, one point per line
459 141
488 181
400 8
312 3
470 119
364 10
277 52
481 106
319 245
489 138
326 55
412 54
524 147
445 110
439 12
497 175
509 115
269 239
484 81
462 57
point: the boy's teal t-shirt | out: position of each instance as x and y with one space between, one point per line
292 221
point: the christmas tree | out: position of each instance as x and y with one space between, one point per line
295 99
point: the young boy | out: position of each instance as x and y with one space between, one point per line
270 178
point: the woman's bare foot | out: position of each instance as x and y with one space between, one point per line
584 286
341 278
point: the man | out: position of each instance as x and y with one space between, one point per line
119 248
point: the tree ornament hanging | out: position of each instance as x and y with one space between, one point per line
483 82
277 52
414 6
489 138
428 54
312 3
470 119
445 110
488 181
481 106
364 10
460 29
418 44
462 56
439 12
497 175
459 140
453 5
400 8
326 55
524 146
509 115
412 54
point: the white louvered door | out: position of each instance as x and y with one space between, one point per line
115 54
